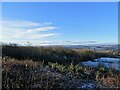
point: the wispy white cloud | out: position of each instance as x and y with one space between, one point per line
22 23
13 30
41 29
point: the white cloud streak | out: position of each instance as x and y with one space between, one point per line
41 29
25 30
22 23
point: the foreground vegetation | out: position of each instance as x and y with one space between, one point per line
55 67
34 74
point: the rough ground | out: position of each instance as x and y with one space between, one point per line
29 74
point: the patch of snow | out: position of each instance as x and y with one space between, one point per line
90 63
106 62
88 85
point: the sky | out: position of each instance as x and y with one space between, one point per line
66 23
60 0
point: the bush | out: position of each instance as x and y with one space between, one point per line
60 55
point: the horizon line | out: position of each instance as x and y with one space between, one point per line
46 44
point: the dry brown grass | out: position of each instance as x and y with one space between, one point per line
30 74
8 63
27 74
110 79
111 82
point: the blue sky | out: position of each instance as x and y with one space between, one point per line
60 23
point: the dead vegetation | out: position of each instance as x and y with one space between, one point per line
33 74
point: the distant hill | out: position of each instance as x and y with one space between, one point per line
95 47
92 47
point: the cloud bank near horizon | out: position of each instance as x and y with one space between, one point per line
35 43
